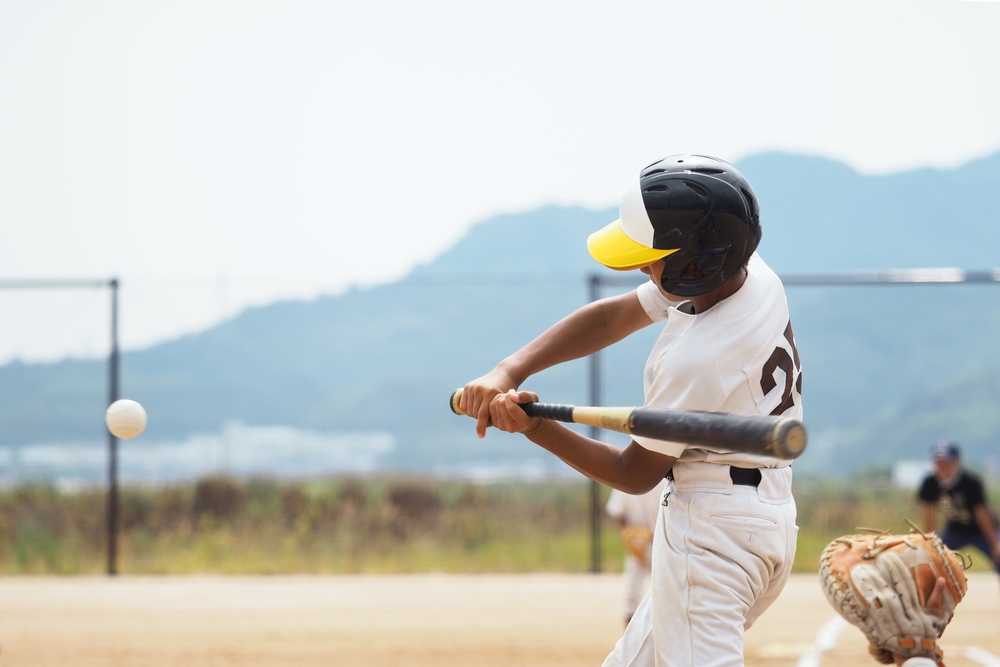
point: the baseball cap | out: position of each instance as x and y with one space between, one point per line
627 243
944 449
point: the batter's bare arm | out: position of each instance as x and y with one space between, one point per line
589 329
633 470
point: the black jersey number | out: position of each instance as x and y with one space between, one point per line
792 369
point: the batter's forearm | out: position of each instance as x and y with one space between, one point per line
599 461
587 330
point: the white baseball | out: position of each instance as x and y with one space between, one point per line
125 419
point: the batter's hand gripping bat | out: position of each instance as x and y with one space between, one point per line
780 437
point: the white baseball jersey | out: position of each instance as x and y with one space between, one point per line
722 551
739 357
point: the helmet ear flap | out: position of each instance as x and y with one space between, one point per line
711 260
710 264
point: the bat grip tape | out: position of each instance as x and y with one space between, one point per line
563 413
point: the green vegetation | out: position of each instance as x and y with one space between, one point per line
380 525
338 526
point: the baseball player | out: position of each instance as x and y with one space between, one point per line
962 498
724 540
636 519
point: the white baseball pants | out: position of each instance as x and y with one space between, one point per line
721 555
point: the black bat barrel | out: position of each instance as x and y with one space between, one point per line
780 437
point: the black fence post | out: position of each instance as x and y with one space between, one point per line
595 487
113 377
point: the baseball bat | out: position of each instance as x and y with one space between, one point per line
780 437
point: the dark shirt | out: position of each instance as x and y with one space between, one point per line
957 502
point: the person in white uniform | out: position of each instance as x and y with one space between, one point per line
725 536
636 519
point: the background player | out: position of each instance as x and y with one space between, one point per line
725 538
636 519
962 499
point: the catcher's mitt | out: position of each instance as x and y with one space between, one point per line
637 541
881 584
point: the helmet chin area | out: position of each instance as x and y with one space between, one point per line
711 272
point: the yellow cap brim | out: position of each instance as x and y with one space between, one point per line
613 248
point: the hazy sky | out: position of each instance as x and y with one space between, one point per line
219 154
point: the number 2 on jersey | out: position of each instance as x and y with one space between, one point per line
792 369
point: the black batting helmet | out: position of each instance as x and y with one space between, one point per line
683 209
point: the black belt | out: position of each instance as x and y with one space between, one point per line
744 476
741 476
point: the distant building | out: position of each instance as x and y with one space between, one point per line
908 474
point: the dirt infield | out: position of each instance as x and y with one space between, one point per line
529 621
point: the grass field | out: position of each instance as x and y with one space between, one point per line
375 526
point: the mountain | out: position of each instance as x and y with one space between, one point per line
887 370
820 215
